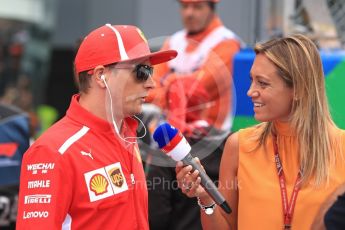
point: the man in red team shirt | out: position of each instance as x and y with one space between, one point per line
85 172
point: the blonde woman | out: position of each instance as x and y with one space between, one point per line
277 174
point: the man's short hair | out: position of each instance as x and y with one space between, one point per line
83 82
85 78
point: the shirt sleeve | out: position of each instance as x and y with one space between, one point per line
45 189
214 76
334 218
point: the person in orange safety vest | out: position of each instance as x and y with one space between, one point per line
194 94
195 88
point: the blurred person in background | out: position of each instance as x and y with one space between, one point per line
15 83
85 172
195 88
194 93
287 166
14 141
20 94
14 133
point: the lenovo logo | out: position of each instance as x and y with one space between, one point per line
35 214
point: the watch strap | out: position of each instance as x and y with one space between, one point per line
208 209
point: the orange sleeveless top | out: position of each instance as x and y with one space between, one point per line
260 204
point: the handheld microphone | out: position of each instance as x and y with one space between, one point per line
172 142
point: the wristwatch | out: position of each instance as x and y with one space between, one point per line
209 209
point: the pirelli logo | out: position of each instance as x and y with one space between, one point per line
37 199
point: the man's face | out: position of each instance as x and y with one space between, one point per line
127 91
196 16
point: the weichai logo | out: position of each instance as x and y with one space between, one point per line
43 167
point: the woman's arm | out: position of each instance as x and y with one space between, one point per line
228 186
189 183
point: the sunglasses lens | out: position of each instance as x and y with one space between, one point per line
143 72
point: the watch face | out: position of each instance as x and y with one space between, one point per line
209 211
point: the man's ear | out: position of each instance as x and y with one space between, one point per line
99 76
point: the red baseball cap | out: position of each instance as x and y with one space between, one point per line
116 43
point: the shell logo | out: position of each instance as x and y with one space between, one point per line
98 184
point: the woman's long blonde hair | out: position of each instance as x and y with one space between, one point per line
299 65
